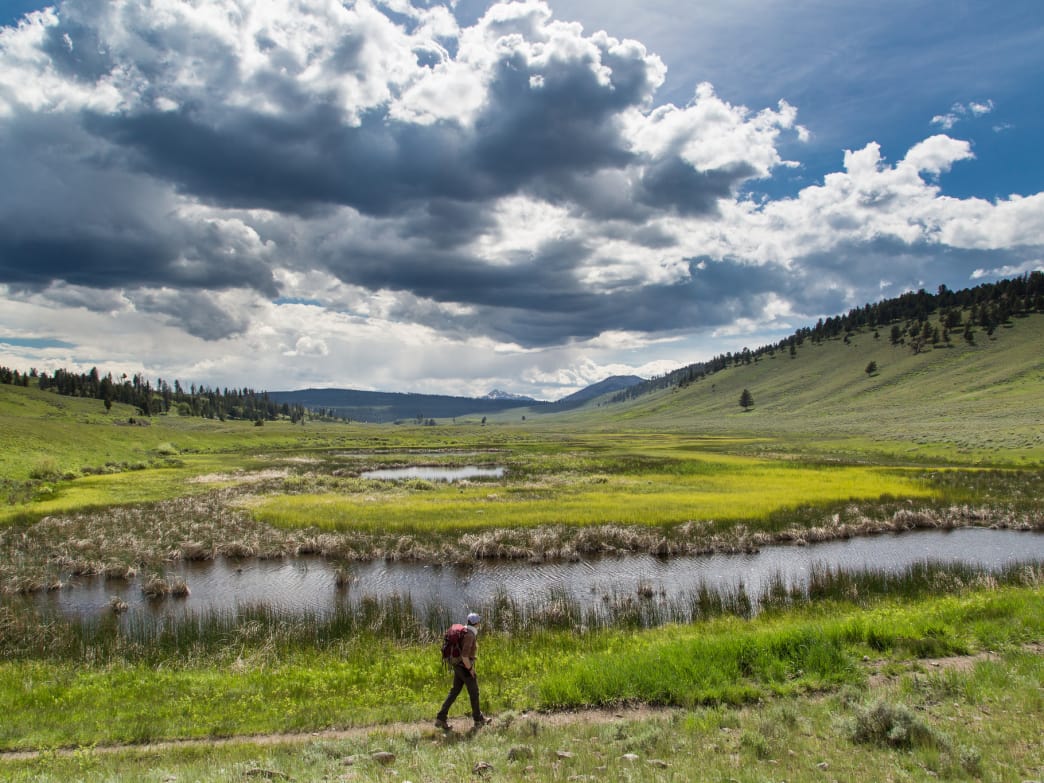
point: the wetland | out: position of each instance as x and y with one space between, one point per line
311 585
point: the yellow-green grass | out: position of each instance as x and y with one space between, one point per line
192 474
257 686
711 488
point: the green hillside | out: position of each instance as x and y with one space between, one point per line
969 402
46 435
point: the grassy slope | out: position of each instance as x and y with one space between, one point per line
970 403
77 433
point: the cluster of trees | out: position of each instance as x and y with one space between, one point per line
203 401
917 319
15 378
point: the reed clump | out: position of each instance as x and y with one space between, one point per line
159 586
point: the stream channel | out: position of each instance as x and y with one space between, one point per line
308 585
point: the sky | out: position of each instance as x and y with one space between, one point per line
454 197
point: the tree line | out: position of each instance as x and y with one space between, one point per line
917 319
164 397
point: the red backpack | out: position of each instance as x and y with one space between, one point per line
452 641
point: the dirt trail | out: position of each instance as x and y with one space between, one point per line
461 725
562 718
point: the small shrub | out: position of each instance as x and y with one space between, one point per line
756 744
970 760
893 725
45 469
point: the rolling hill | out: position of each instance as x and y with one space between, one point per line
974 398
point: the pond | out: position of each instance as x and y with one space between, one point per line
308 585
431 473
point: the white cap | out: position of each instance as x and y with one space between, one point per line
474 619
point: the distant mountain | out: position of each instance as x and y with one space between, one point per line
497 394
370 406
614 383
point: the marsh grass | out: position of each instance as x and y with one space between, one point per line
133 538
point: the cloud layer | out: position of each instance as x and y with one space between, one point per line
299 176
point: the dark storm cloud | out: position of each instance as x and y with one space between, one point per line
543 281
887 267
715 295
296 164
79 218
196 313
672 183
565 128
35 262
78 51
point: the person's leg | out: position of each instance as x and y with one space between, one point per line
473 694
458 683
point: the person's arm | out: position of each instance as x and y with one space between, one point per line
467 654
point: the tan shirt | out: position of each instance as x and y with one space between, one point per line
469 648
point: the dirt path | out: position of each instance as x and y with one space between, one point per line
461 724
562 718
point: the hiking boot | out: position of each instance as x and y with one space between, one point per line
440 723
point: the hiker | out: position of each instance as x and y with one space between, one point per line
464 675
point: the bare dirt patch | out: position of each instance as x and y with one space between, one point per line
241 477
957 663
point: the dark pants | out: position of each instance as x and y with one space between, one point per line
462 679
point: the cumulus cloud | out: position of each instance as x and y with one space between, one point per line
297 176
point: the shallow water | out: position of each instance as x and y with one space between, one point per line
431 473
307 585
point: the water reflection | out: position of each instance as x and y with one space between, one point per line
430 473
309 585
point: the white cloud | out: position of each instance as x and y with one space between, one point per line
960 111
307 192
1036 265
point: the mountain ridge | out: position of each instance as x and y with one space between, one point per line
379 407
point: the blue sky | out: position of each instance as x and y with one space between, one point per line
454 197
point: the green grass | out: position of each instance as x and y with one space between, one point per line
261 686
980 724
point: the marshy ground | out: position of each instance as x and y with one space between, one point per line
860 676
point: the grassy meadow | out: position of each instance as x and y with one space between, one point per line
819 686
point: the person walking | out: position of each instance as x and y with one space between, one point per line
464 675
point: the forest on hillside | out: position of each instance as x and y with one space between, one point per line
162 398
917 319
